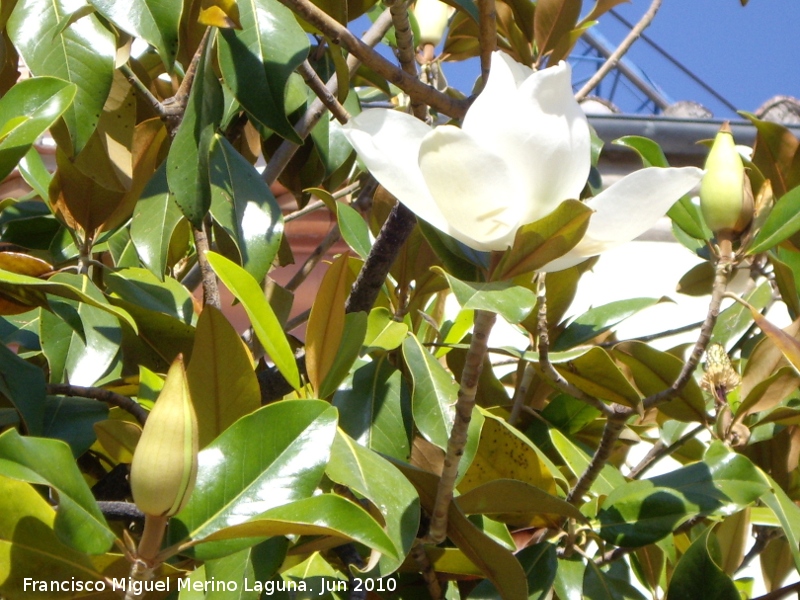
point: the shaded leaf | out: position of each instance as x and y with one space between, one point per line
782 222
698 576
244 206
512 302
78 521
552 20
24 386
540 242
371 476
221 379
257 61
354 229
374 409
596 374
27 110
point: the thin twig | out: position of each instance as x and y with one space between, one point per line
303 272
173 108
781 593
426 569
611 432
521 392
210 287
142 89
317 86
660 450
103 395
487 35
654 336
473 365
339 34
405 49
281 157
547 367
722 272
615 57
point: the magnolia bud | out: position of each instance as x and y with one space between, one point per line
432 17
725 196
164 463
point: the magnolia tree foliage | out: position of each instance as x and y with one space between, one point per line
387 455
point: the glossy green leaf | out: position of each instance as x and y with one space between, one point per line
82 53
434 393
354 229
188 158
642 512
86 355
538 243
34 549
596 374
516 503
736 319
697 575
269 458
654 371
154 220
257 61
512 302
374 409
141 287
599 583
577 460
35 173
72 421
355 324
27 110
383 331
78 522
326 514
245 208
154 21
783 222
649 151
786 281
23 385
600 319
257 564
265 323
371 476
221 379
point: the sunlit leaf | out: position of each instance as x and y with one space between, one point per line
512 302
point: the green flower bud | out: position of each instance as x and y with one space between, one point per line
432 17
725 196
164 463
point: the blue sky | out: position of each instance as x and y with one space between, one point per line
747 54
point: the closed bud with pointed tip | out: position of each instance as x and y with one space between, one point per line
725 196
164 465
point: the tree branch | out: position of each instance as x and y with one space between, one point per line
281 157
660 450
210 286
325 96
103 395
405 50
487 36
473 365
615 57
339 34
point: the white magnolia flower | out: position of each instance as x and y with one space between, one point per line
524 148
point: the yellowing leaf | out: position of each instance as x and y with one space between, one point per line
222 382
326 322
220 13
787 344
118 438
505 454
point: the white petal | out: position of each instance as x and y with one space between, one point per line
538 129
627 209
388 142
472 187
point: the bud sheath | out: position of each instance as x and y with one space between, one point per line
164 464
